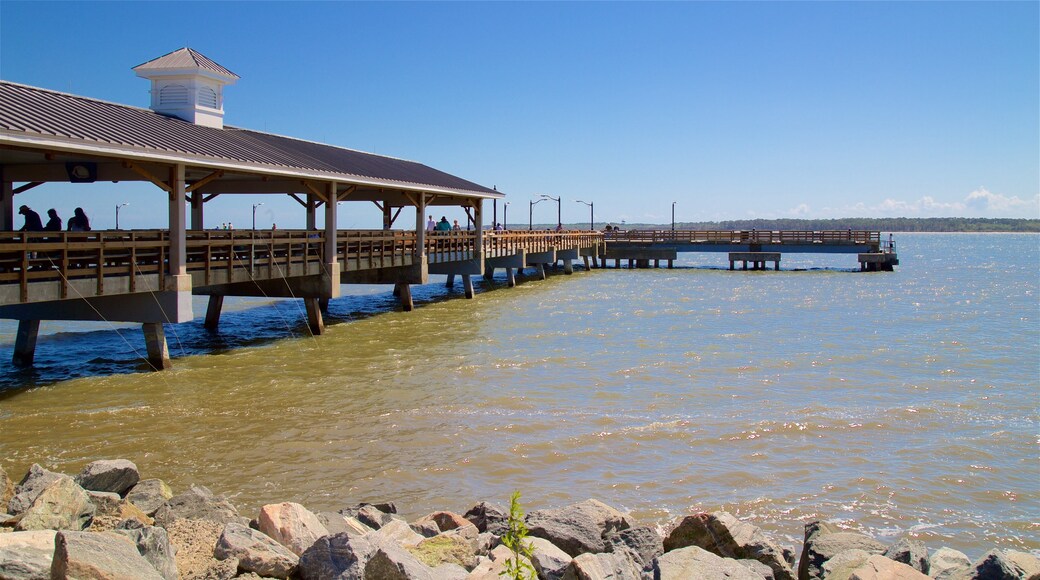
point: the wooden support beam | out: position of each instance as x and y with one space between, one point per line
316 192
450 283
202 182
25 343
148 175
155 343
568 267
298 200
207 197
27 186
6 204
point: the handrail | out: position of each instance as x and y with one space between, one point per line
745 236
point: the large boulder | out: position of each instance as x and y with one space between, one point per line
371 516
578 528
641 543
447 548
948 564
442 520
549 561
392 562
1005 565
878 567
397 532
99 555
489 517
255 551
26 555
601 566
291 525
62 505
338 523
149 495
822 544
112 475
722 534
194 541
6 490
32 485
695 562
843 564
340 556
913 553
198 503
153 543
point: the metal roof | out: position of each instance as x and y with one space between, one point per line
41 117
184 58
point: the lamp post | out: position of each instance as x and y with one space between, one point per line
256 205
559 221
117 212
530 213
505 216
673 216
592 214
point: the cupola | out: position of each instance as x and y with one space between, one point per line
188 85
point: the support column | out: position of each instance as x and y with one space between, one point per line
568 267
541 271
451 281
25 343
510 279
732 265
331 260
405 296
386 215
216 302
586 260
155 343
6 204
178 265
467 283
312 212
420 228
196 211
489 273
478 223
670 262
314 320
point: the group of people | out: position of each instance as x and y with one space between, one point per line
442 226
77 223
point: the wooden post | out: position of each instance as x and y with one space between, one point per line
420 230
314 319
25 343
196 211
406 297
510 279
216 302
670 264
732 265
397 290
489 274
312 212
6 204
586 260
178 265
467 283
331 244
155 343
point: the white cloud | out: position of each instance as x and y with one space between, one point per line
978 203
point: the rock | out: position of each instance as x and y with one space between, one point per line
722 534
149 495
198 503
62 505
913 553
26 555
425 528
98 555
397 532
373 517
549 561
105 502
642 544
601 566
337 524
392 562
821 545
445 521
841 566
489 517
291 525
948 564
6 490
450 572
255 551
218 570
577 528
1005 565
878 567
153 543
337 556
114 475
32 485
695 562
194 541
757 568
447 548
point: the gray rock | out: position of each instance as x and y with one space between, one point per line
695 562
6 489
26 555
642 543
392 562
445 521
1005 565
843 564
913 553
98 555
425 528
948 564
722 534
291 525
549 561
219 570
32 485
339 557
373 517
447 548
198 503
113 475
450 571
105 502
153 543
149 495
821 545
397 532
338 523
255 552
62 505
601 566
578 528
489 517
758 569
878 567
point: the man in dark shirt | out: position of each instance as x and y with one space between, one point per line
32 220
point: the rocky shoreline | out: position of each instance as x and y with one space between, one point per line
108 523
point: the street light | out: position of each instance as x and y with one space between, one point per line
673 216
530 213
256 205
559 221
592 215
505 216
117 212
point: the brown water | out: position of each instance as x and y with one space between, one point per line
894 403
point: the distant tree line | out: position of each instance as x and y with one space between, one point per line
951 224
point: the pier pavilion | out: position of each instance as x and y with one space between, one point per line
181 146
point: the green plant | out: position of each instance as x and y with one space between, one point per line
518 567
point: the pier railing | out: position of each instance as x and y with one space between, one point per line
745 236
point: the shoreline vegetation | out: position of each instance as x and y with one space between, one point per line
107 522
895 225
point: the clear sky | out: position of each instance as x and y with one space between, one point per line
732 110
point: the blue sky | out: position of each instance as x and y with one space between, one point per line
732 110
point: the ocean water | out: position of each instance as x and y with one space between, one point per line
898 403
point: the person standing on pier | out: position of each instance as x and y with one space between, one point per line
33 223
443 225
79 222
430 224
54 222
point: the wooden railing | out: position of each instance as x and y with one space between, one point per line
280 250
745 237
